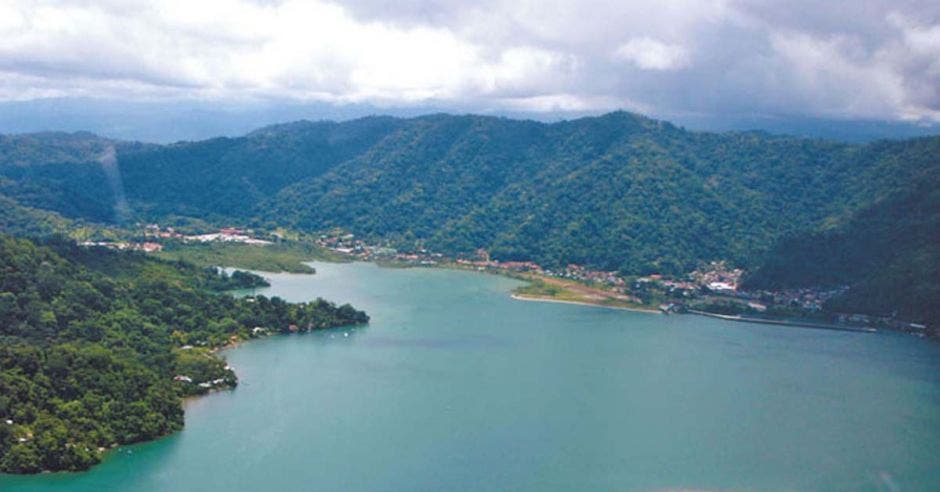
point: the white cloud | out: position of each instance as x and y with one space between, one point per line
821 70
650 54
569 103
296 48
774 56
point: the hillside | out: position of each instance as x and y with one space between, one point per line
25 221
888 252
615 192
51 147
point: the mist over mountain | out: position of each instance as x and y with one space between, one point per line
175 120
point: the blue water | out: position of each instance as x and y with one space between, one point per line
455 386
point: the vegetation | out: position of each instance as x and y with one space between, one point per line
557 289
286 257
91 342
889 253
27 221
51 147
242 280
540 288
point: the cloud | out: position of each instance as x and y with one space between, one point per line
650 54
666 57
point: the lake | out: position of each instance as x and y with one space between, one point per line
455 386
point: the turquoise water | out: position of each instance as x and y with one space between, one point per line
455 386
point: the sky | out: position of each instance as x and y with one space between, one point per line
873 60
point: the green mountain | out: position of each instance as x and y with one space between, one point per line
615 192
889 253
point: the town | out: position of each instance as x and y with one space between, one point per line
153 238
714 288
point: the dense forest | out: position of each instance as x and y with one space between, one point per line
614 192
98 347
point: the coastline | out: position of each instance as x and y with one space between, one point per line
782 322
520 297
529 278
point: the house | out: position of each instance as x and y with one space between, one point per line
757 306
720 286
151 247
185 379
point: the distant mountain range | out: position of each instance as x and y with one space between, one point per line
619 192
171 121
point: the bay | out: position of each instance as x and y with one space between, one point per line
455 386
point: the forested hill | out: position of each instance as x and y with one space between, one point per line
888 252
615 192
618 191
97 347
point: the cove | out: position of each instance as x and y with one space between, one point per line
455 386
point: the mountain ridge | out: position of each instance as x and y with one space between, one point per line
616 192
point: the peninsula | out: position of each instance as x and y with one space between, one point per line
99 346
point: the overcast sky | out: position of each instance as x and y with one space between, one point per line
860 59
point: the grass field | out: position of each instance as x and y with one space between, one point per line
556 289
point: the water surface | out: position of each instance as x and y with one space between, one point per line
455 386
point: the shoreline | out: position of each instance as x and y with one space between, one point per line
520 297
527 278
782 322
